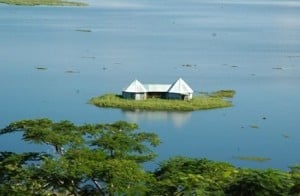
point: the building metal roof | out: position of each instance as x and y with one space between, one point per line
157 87
179 86
135 87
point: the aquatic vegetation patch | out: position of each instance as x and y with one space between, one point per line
278 68
84 30
72 71
252 158
41 68
197 103
189 65
293 56
223 93
286 136
254 126
42 2
88 57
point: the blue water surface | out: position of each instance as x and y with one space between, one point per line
252 47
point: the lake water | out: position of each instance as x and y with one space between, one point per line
252 47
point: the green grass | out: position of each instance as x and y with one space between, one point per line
42 2
197 103
223 93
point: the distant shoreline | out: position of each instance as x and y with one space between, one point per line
43 2
197 103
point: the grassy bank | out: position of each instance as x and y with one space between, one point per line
197 103
223 93
42 2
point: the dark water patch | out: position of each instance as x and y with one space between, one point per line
88 57
286 136
293 56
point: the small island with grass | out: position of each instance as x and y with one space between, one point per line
43 2
163 97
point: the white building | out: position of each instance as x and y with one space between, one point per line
178 90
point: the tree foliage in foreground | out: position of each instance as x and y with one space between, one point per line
106 159
92 159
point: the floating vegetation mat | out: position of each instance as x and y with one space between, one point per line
278 68
41 68
72 71
88 57
252 158
189 65
84 30
254 126
223 93
43 2
285 136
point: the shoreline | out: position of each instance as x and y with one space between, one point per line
156 104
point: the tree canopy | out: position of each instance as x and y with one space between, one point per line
107 159
89 159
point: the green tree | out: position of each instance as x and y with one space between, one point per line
295 175
190 176
106 159
18 175
251 182
92 159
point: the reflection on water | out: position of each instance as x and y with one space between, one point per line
177 118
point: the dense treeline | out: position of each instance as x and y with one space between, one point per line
106 159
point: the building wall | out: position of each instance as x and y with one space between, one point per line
127 95
175 96
136 96
179 96
140 96
143 96
162 95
